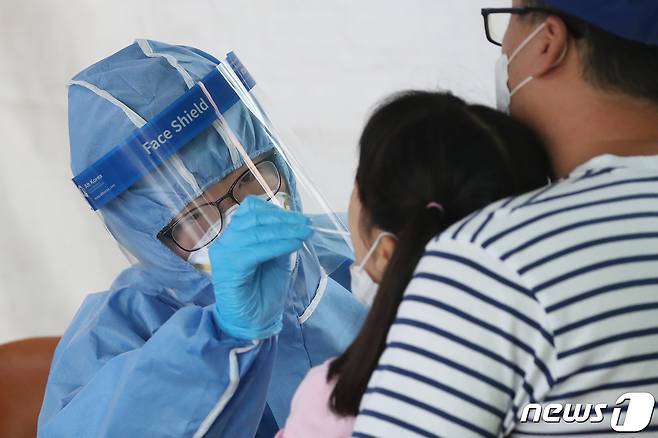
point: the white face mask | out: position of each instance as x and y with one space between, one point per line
363 287
503 93
200 258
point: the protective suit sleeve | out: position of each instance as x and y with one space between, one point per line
152 375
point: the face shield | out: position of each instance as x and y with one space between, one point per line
175 178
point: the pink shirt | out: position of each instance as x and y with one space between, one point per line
310 414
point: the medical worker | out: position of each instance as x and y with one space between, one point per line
170 349
538 315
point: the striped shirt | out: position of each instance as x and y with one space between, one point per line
549 297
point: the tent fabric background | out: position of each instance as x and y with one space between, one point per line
322 64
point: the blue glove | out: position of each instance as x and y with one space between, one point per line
251 267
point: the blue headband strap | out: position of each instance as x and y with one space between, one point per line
147 147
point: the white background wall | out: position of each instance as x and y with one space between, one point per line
323 64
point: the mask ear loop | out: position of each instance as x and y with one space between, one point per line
526 41
374 246
562 56
530 78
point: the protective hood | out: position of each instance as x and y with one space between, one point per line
118 94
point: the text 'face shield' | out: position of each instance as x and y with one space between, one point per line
177 178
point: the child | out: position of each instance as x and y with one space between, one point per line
426 161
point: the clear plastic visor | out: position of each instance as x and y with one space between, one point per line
181 175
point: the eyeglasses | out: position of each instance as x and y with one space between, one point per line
201 225
496 21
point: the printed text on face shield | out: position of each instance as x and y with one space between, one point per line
180 122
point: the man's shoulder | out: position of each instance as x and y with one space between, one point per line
553 208
480 226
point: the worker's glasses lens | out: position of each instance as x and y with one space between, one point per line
247 184
198 227
201 225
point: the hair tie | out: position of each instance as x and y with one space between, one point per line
435 205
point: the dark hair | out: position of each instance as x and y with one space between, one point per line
420 147
610 62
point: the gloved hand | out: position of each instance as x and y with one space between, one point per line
251 267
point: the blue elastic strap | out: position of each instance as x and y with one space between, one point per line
240 70
149 146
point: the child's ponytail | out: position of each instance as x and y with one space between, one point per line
426 161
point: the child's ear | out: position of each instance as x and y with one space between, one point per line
383 255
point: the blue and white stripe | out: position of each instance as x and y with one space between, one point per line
549 297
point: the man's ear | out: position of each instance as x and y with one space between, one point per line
554 40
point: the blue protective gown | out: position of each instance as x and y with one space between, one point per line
147 358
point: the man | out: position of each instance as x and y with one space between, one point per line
166 351
550 298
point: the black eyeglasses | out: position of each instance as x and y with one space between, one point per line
496 21
201 225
